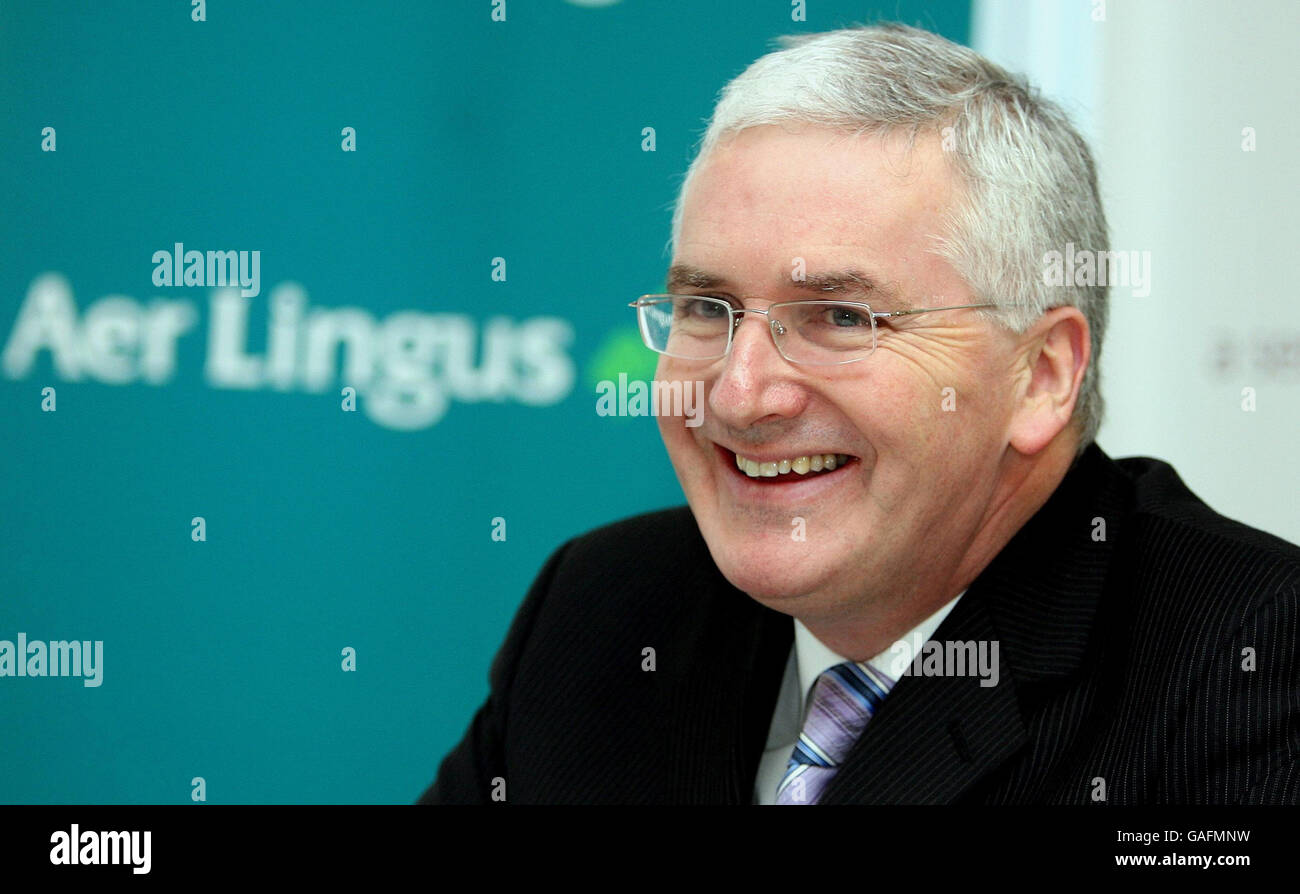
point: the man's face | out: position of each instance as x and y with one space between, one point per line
924 419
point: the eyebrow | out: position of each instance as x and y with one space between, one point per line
849 281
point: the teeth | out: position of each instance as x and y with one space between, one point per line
800 465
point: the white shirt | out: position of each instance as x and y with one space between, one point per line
809 658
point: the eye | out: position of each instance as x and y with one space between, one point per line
711 309
844 317
700 307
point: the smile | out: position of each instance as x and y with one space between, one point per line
793 468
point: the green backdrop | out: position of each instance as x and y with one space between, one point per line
325 529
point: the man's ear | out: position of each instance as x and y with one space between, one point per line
1054 353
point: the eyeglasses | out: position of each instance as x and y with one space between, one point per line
816 333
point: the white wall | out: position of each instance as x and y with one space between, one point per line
1163 90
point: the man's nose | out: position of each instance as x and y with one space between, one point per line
755 380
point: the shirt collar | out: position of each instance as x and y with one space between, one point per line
812 657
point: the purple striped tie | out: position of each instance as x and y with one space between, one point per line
844 698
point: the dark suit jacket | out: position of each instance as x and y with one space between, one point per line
1122 669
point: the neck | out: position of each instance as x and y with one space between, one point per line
1024 484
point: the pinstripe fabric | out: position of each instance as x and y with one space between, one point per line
1158 665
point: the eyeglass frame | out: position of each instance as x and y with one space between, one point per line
735 312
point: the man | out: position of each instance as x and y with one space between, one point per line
907 574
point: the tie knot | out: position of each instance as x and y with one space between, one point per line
843 699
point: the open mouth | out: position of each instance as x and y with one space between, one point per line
790 469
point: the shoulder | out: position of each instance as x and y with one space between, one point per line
1216 609
650 566
676 525
1201 600
1127 557
1176 540
650 548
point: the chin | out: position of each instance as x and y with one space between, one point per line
772 573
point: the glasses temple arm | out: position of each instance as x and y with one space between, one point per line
925 310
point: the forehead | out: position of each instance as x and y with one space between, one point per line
774 193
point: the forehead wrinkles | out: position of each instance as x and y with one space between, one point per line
781 189
820 164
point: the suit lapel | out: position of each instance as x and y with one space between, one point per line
935 737
723 675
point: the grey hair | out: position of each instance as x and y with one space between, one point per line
1030 184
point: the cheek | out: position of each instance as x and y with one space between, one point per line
670 427
898 412
675 438
945 388
688 459
926 360
921 430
